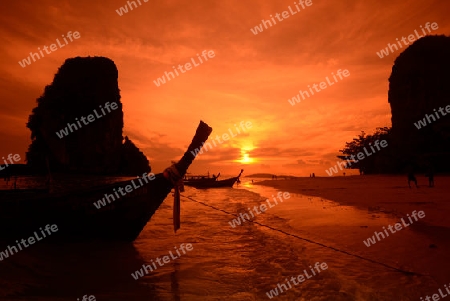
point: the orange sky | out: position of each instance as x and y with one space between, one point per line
250 78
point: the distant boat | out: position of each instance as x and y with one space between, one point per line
193 179
213 182
23 212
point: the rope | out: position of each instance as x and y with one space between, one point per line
313 242
173 175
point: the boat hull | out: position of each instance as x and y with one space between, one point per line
22 213
214 184
78 219
200 181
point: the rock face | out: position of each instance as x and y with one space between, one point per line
420 84
132 159
77 124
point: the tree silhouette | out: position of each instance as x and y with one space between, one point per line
374 162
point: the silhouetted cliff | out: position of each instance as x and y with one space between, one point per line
419 85
78 123
132 158
419 95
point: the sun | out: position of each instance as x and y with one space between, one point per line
246 159
246 148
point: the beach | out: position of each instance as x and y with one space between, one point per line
196 187
302 247
391 195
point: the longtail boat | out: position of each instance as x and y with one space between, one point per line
192 179
121 218
214 184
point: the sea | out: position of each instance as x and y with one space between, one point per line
255 260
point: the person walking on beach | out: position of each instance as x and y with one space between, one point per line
7 176
411 177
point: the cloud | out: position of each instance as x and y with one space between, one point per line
250 78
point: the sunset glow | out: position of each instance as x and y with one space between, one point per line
228 76
246 159
225 150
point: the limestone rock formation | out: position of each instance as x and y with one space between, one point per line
77 124
420 84
132 159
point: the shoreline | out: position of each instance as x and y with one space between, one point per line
391 195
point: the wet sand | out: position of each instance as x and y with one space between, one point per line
391 195
247 261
